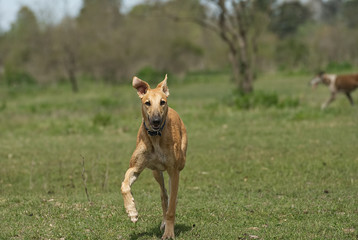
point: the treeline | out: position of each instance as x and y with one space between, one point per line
103 43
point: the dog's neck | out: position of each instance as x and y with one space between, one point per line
327 79
153 133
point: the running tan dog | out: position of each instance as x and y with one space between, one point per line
161 146
337 83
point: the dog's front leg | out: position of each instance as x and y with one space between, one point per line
170 215
158 175
331 99
136 166
130 177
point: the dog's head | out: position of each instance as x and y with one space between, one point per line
319 78
154 101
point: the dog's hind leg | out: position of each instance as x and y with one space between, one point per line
130 177
350 98
158 175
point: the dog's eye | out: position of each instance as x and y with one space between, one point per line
147 103
162 102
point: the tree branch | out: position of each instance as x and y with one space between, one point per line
196 20
224 31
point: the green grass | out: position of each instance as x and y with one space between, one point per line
262 173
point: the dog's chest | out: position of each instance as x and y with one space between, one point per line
159 153
332 83
159 158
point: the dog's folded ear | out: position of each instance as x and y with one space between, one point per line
141 86
163 85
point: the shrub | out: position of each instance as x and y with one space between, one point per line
289 102
339 66
15 77
151 75
291 54
261 99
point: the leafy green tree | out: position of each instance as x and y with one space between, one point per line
288 17
172 46
22 37
350 13
20 44
26 23
331 10
100 28
66 45
291 53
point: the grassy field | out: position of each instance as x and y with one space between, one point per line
262 173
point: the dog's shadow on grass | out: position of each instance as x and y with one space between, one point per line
155 231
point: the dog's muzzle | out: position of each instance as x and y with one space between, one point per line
314 82
155 132
155 121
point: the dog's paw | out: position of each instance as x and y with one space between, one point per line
168 236
131 210
169 231
133 216
134 219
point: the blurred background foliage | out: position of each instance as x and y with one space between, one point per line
104 43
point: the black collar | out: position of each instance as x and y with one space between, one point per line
154 133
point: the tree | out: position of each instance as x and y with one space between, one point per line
331 10
232 21
22 37
20 44
288 17
67 44
350 13
166 46
233 30
99 25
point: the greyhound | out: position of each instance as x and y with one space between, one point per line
161 146
337 83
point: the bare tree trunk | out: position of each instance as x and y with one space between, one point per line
70 66
245 66
73 80
236 39
235 68
254 59
229 36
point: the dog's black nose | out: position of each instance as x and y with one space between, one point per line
156 121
